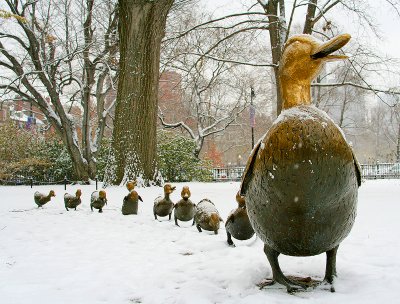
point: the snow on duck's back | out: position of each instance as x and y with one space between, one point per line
98 199
207 216
41 198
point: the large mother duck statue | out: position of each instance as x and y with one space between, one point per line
302 178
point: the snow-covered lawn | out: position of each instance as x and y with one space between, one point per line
53 256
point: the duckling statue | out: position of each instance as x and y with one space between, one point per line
72 201
301 180
41 198
164 206
131 201
184 210
238 224
207 216
131 185
97 200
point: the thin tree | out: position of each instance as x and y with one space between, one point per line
59 55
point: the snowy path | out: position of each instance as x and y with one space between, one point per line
53 256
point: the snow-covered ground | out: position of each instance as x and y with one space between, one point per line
53 256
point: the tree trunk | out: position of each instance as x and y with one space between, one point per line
398 146
309 22
276 47
141 28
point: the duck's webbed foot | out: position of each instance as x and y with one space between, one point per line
278 276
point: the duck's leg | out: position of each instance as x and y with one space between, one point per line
176 221
193 222
330 272
91 207
100 210
229 239
277 273
169 216
198 228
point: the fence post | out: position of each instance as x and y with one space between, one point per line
96 181
65 183
377 169
31 182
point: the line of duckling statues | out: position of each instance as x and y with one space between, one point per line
205 215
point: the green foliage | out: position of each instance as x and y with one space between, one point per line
19 149
176 159
102 157
25 154
57 155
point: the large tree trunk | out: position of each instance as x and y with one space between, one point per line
141 28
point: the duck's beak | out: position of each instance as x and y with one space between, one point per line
332 45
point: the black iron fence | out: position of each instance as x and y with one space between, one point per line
369 171
29 181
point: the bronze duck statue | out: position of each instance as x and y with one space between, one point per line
97 200
131 201
301 180
207 216
72 201
238 224
41 198
184 210
163 205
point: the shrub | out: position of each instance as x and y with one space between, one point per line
57 155
19 153
102 157
176 159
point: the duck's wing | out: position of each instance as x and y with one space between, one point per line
139 197
68 197
358 168
38 195
230 219
248 171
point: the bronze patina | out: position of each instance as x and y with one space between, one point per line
185 209
237 224
163 206
301 181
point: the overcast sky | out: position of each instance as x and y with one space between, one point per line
384 16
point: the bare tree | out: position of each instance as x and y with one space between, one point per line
61 54
216 92
277 19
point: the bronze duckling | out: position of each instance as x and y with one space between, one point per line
131 201
207 216
41 198
97 200
184 210
238 224
72 201
163 206
301 180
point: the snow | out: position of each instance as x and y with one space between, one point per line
307 112
50 255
